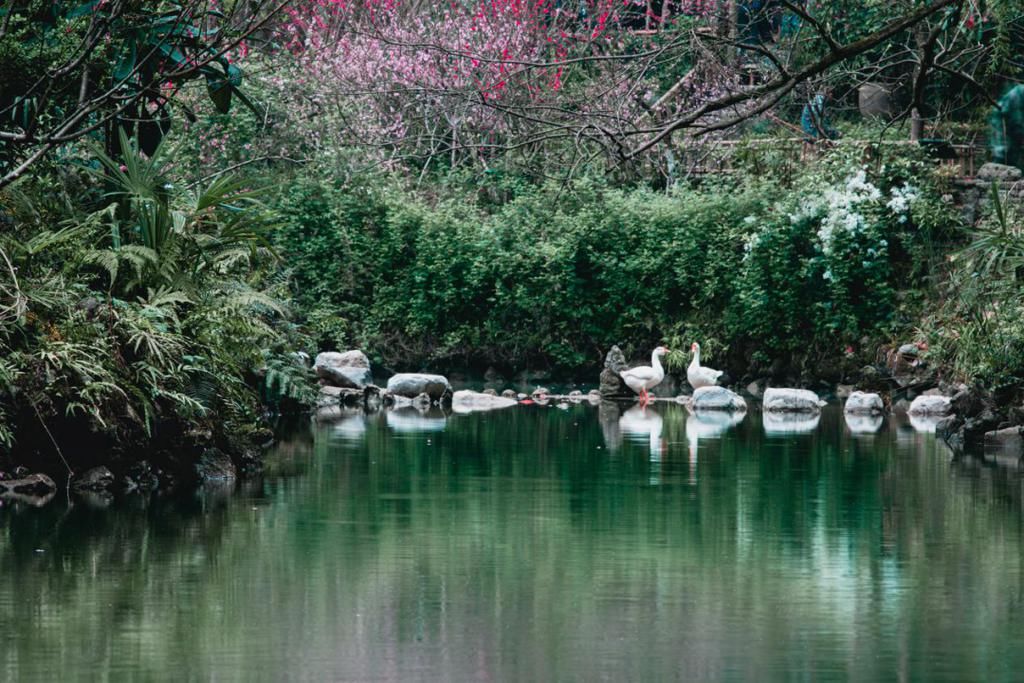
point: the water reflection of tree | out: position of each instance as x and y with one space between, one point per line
513 545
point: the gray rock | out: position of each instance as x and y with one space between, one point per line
491 392
861 403
373 400
611 385
329 396
334 396
1008 440
966 402
616 360
930 405
89 304
141 477
96 479
844 390
756 388
975 428
412 384
791 401
32 484
951 430
717 398
349 378
350 369
541 392
215 466
1003 172
471 401
909 350
508 393
948 426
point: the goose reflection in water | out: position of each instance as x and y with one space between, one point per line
790 423
707 424
644 424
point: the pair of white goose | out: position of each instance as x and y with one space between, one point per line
645 377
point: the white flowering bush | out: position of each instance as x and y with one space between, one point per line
821 264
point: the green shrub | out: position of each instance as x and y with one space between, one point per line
149 318
555 274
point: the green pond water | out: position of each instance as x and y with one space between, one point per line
539 544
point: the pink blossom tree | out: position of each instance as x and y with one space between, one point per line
556 84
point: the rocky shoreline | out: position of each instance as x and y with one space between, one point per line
970 420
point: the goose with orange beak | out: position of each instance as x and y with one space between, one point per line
699 376
645 377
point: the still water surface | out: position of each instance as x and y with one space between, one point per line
539 544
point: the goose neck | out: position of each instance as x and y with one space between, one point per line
655 361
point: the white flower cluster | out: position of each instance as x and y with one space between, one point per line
843 208
753 239
901 201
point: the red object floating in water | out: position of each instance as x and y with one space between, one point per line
526 402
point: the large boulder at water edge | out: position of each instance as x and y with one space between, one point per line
96 479
717 398
930 405
350 370
791 401
612 386
412 384
33 484
215 466
994 171
861 403
472 401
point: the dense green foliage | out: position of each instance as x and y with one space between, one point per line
555 274
148 295
140 319
979 329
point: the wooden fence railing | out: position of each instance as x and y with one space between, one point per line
697 158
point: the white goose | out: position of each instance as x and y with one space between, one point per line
700 376
644 377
